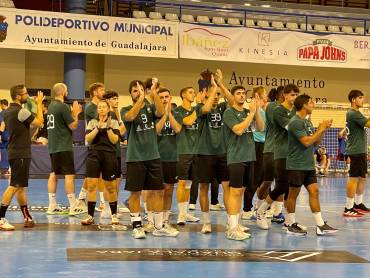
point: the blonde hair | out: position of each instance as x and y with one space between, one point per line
260 90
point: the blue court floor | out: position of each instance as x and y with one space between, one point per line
43 252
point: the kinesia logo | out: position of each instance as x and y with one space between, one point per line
322 50
3 28
216 45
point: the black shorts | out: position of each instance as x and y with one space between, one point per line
169 172
358 166
241 174
20 169
212 167
186 167
144 175
100 162
297 178
268 167
258 165
281 173
119 168
62 163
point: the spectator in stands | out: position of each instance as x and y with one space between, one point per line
342 144
4 138
323 159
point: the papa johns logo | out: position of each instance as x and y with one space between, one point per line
3 28
322 50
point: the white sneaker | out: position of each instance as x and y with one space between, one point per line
115 220
247 215
169 226
165 231
191 218
56 210
5 225
138 233
191 206
269 213
236 234
149 228
243 228
77 209
217 207
302 227
88 220
262 221
106 212
206 229
181 219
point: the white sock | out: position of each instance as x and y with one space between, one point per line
359 199
52 199
277 207
166 216
349 203
83 194
290 219
318 219
259 203
158 220
71 199
238 215
262 209
150 217
135 217
145 207
206 218
101 195
182 208
233 221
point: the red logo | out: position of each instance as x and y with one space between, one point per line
322 50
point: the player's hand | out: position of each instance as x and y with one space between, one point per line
219 77
40 97
109 122
253 106
328 123
141 92
213 82
258 101
155 85
322 126
76 108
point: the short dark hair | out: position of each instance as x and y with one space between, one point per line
4 102
279 92
162 90
173 105
148 83
300 101
16 90
237 87
291 87
184 90
272 94
110 94
354 94
133 84
93 87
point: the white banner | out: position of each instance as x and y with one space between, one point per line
241 44
35 30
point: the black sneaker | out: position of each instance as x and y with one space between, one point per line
279 219
325 229
294 229
361 208
352 213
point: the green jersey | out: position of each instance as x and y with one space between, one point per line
281 118
59 118
187 139
211 141
142 137
167 143
355 126
239 148
299 157
91 112
269 128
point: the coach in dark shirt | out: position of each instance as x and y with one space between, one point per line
18 122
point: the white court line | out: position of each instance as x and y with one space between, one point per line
306 256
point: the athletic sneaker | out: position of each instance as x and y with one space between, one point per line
88 220
269 213
217 207
361 208
286 225
191 206
279 219
181 219
325 229
115 220
236 234
243 228
29 223
247 215
5 225
56 210
206 229
138 233
170 227
352 213
262 221
100 207
77 209
295 229
165 231
149 228
191 218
